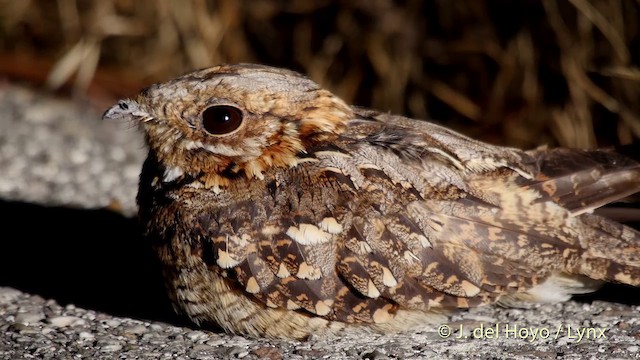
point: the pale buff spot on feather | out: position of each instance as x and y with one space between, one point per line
623 278
369 166
291 305
283 272
387 278
372 290
330 225
523 240
495 234
365 247
378 225
406 185
469 288
252 286
306 271
382 315
424 241
333 169
323 307
568 252
271 304
432 266
270 230
463 303
308 234
225 260
416 300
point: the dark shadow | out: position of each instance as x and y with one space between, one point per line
617 293
94 259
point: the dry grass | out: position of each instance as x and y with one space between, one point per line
522 73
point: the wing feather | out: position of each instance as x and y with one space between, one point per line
583 180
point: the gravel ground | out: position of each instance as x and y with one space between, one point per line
77 281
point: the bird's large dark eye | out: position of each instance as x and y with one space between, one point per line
221 119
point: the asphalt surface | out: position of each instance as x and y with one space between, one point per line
76 280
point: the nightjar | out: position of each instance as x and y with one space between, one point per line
278 210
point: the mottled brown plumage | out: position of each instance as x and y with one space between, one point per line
277 210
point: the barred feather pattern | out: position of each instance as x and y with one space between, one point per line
314 216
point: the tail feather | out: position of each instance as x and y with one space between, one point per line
612 251
582 181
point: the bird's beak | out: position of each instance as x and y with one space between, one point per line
112 113
124 110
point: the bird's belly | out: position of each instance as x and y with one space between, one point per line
200 292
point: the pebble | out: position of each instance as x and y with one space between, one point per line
29 318
156 327
112 323
17 327
236 351
268 352
201 350
197 335
375 355
84 335
111 348
8 295
136 330
64 321
216 342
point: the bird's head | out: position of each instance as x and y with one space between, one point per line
241 119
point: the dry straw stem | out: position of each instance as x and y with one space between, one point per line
574 125
521 73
